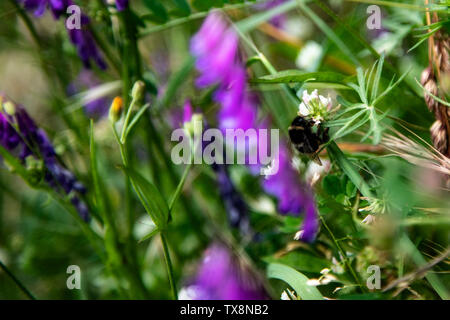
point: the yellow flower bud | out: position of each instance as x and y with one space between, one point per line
115 111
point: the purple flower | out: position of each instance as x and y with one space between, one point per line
9 139
284 185
221 276
87 49
235 206
20 135
81 38
58 7
96 108
121 4
38 6
215 48
293 197
187 111
310 226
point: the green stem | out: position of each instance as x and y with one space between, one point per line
194 16
169 265
180 186
17 282
343 254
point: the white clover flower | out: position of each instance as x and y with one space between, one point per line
370 219
315 171
315 106
309 57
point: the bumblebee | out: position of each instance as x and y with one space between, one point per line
307 137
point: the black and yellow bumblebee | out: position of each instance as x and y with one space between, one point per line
307 136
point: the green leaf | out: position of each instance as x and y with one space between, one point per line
390 88
332 185
349 169
432 95
149 235
150 197
376 80
98 188
183 7
204 5
295 279
159 12
290 224
294 76
300 261
14 163
136 118
350 189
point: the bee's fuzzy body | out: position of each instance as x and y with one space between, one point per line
303 136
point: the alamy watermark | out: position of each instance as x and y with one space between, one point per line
74 20
374 20
374 280
258 147
74 280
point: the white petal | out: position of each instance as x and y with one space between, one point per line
303 110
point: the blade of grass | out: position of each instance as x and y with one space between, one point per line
18 283
297 280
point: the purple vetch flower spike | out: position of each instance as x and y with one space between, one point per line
310 225
38 6
293 197
285 185
235 206
223 276
87 49
20 135
187 111
121 5
82 38
215 50
9 138
58 7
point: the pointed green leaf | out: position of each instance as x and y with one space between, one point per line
159 12
151 198
295 279
294 76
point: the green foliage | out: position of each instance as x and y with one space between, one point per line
295 279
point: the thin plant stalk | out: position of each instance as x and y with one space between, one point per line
19 284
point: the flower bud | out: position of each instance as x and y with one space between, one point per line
138 91
194 126
115 111
9 107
